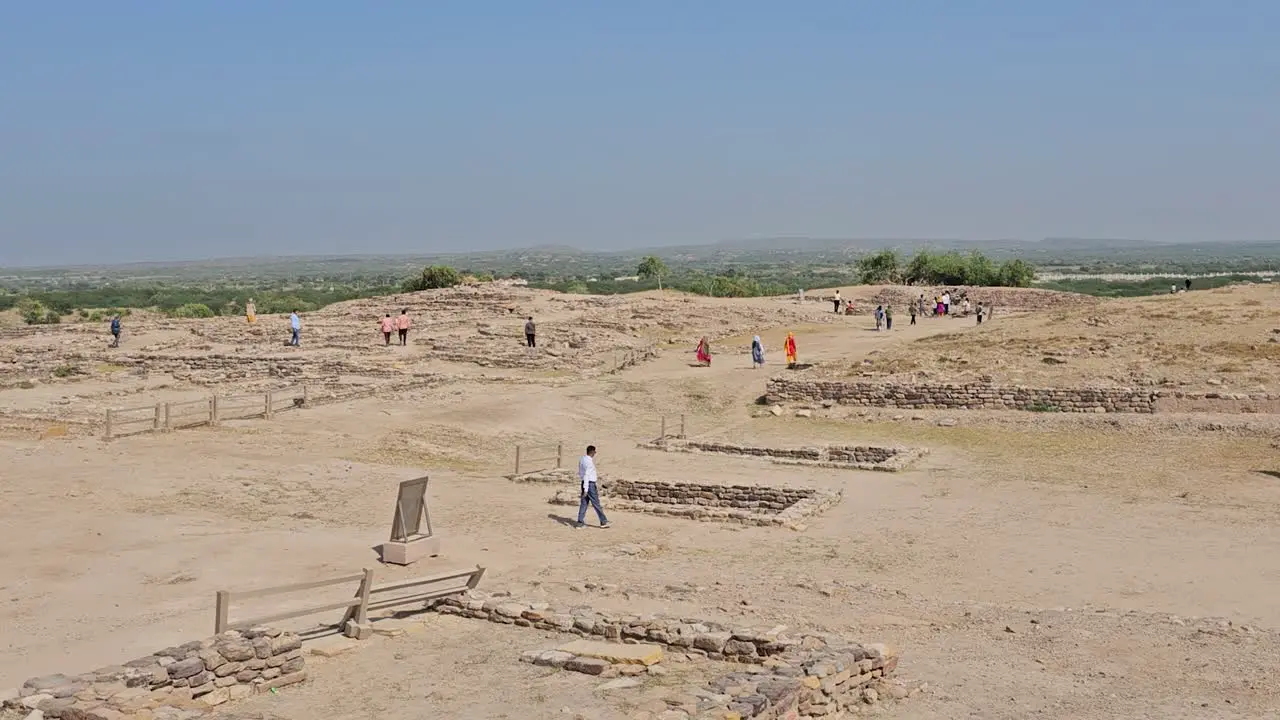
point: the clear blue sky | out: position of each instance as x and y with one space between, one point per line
165 130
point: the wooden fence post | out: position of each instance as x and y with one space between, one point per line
108 424
366 586
168 418
306 396
213 409
559 455
681 426
663 435
155 424
517 460
267 411
221 612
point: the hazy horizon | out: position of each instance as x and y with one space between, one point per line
141 132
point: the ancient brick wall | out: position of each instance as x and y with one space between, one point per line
194 676
984 396
973 396
852 457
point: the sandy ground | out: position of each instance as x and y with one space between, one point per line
1218 340
1030 566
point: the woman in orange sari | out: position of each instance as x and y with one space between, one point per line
704 352
790 347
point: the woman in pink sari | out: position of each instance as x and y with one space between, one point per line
704 352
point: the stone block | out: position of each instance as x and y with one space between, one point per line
587 666
217 697
614 653
185 668
407 553
286 680
236 650
284 643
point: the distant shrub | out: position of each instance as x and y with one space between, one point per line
192 310
433 277
33 312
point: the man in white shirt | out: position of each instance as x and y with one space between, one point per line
590 488
946 303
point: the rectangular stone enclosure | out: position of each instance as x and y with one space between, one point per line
845 457
744 504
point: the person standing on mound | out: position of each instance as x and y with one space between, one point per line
790 348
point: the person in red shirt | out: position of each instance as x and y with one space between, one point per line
402 324
387 325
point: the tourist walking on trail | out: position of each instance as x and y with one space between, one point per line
888 317
879 317
836 301
115 331
790 348
704 352
946 303
1188 281
402 325
981 311
387 325
250 312
530 333
295 325
590 489
757 352
913 314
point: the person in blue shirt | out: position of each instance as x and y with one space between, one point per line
296 325
115 331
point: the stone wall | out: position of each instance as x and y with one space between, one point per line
849 457
745 504
972 396
188 678
984 396
807 674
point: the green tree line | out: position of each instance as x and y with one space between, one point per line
950 268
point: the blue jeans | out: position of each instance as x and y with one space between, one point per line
592 495
295 340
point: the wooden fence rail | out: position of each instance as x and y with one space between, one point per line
204 411
355 619
522 458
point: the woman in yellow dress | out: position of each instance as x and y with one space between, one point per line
250 312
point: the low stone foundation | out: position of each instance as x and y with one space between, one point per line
745 504
809 674
846 457
984 396
177 682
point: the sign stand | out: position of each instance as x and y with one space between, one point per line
411 537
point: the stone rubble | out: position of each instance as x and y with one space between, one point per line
176 682
807 674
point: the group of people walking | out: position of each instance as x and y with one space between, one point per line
703 351
398 325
